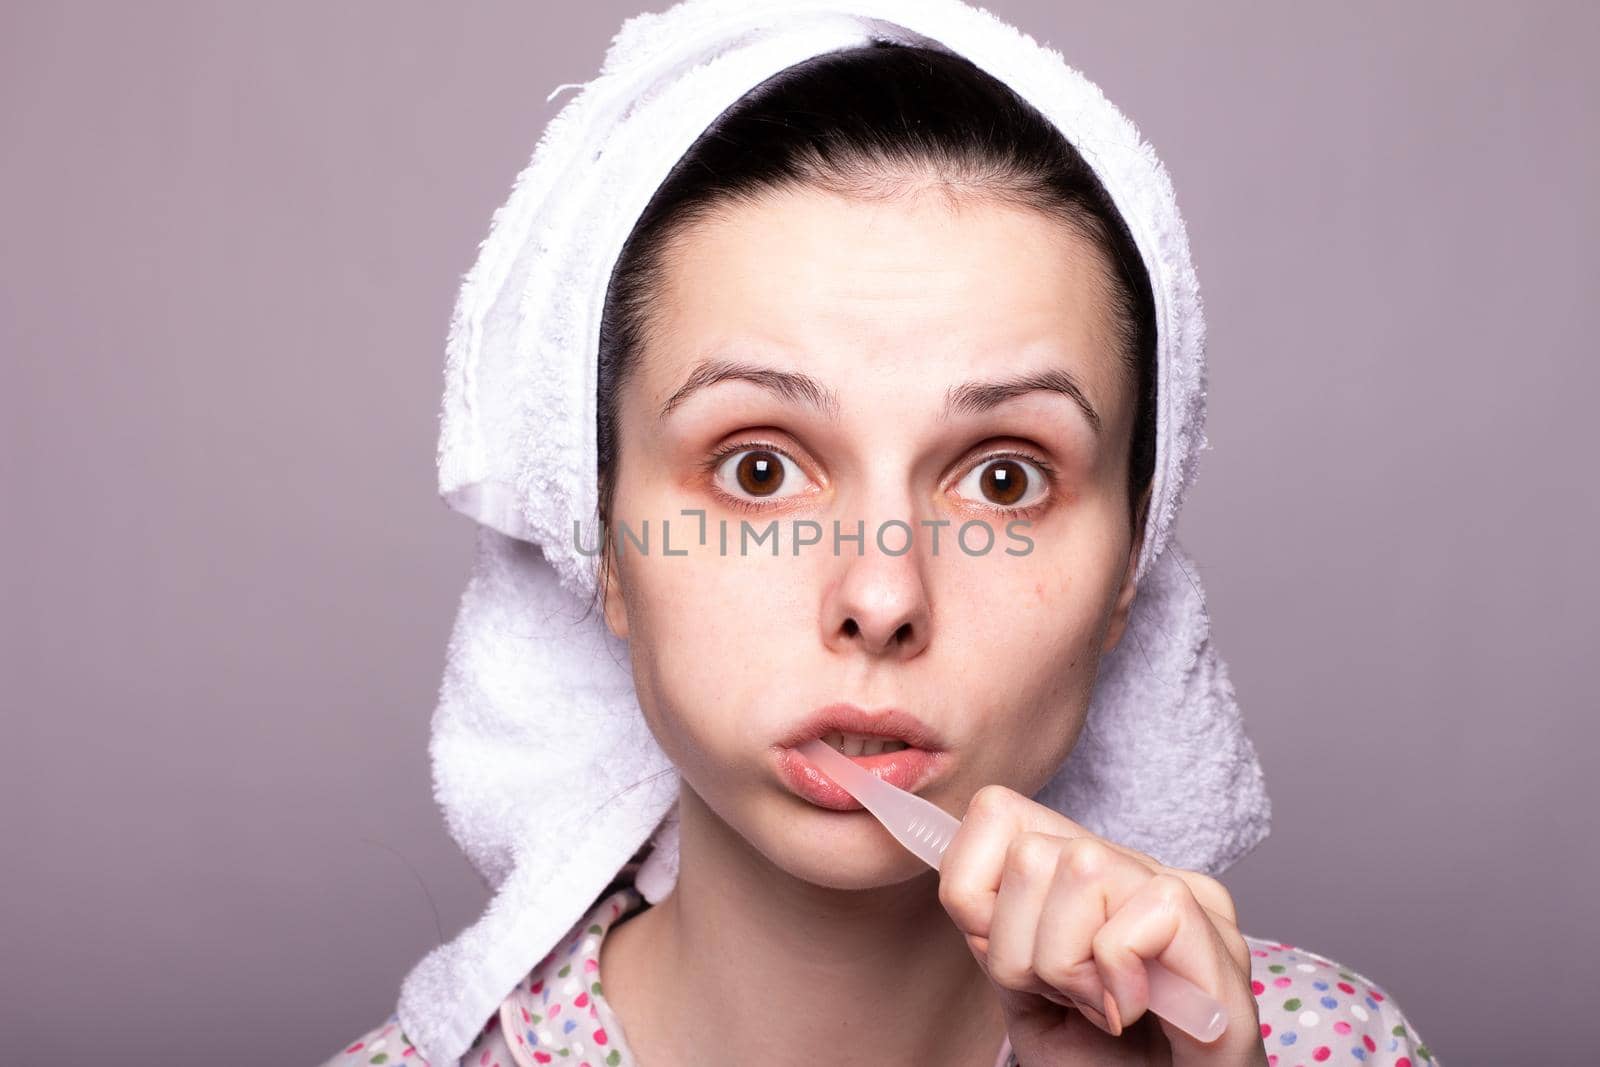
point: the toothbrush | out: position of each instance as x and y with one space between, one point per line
926 830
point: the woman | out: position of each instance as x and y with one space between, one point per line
885 321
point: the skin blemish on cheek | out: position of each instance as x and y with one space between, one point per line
1038 591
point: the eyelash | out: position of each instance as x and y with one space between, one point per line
715 461
754 506
1032 510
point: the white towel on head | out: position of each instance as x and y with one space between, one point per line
535 685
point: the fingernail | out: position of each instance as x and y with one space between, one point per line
1112 1014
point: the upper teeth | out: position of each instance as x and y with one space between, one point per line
862 744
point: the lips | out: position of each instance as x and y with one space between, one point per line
894 723
908 768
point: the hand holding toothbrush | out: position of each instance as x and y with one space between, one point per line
1068 925
1064 921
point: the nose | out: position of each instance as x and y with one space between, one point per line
879 605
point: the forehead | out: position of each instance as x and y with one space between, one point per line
916 283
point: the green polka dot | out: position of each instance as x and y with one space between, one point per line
1399 1030
594 928
563 972
382 1057
536 1018
1277 968
594 987
615 1058
1292 1004
1422 1050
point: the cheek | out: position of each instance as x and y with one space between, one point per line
708 638
1032 612
1038 623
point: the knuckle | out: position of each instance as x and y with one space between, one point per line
1087 858
1013 974
959 901
1238 949
1210 889
1170 892
1105 946
1030 852
990 799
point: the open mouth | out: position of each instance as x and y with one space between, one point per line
862 744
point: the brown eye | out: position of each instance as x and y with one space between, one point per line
1005 481
760 474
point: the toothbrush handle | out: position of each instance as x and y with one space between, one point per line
1184 1004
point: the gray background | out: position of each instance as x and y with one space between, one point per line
232 238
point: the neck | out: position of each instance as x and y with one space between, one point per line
744 963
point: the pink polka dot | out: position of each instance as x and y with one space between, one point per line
1322 1052
1347 987
1341 1027
1366 1039
1266 1029
600 1036
1256 987
1281 982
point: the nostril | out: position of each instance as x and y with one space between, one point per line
850 628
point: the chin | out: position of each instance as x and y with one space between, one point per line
839 850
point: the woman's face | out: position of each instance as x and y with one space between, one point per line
889 310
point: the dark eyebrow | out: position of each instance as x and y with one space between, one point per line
976 397
970 398
801 388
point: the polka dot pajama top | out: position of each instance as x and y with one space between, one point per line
1312 1009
